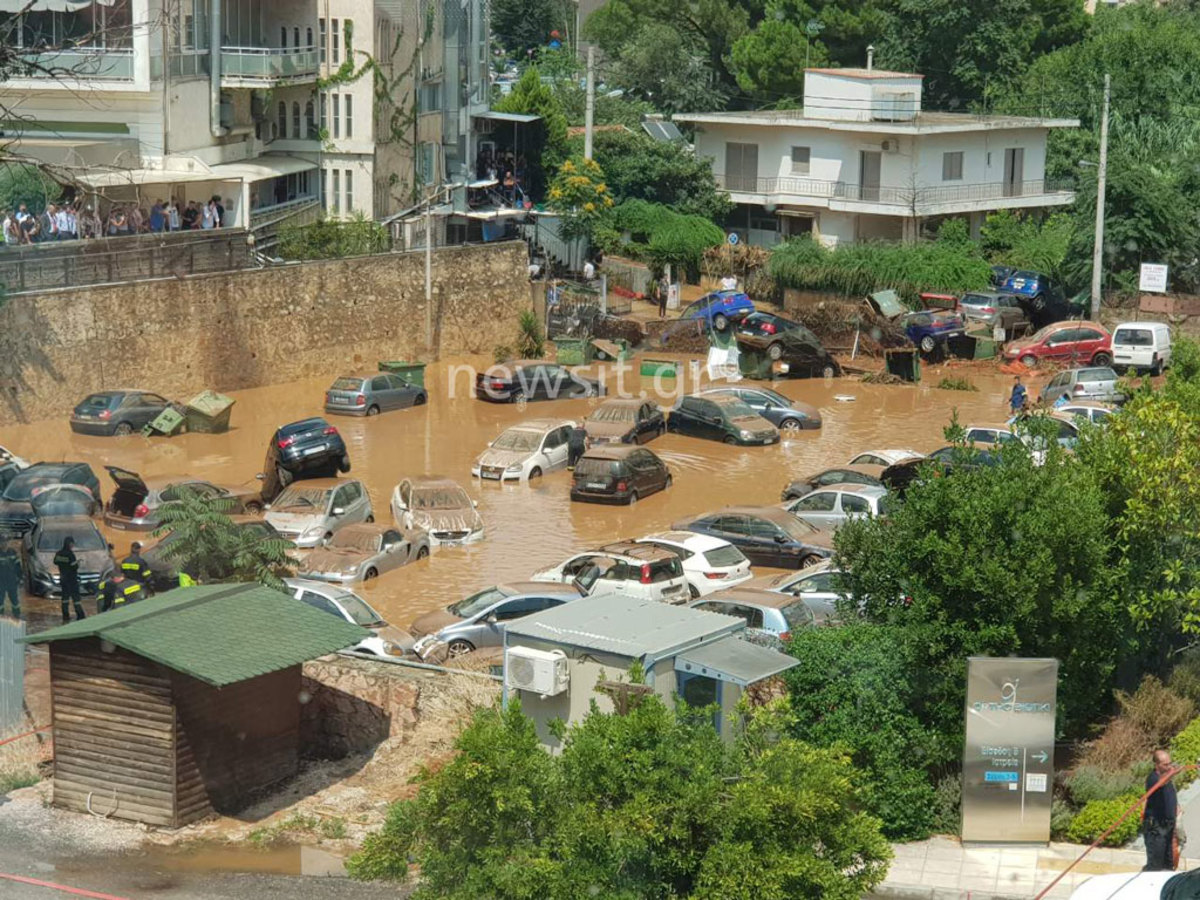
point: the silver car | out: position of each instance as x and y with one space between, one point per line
369 395
310 512
1088 383
774 613
385 639
830 506
362 552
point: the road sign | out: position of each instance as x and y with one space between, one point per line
733 238
1153 278
1008 762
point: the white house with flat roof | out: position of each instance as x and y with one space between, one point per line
862 161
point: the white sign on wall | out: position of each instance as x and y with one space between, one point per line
1153 278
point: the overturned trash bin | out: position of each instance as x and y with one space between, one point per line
208 412
412 372
168 422
904 363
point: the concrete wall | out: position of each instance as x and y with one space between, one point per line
350 705
252 328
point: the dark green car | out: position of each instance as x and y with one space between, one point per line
721 418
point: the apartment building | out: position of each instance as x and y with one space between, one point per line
862 161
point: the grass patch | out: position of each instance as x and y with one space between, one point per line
19 763
333 829
956 384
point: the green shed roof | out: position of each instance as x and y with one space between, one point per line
218 633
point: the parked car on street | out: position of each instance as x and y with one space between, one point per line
992 308
820 586
438 506
884 458
385 639
46 539
788 415
829 507
371 394
63 500
7 456
929 329
856 474
310 448
624 421
533 379
108 413
8 471
1093 411
479 620
990 435
618 473
628 568
525 451
135 503
709 563
16 509
765 332
720 418
1087 383
164 566
310 512
774 613
719 309
1074 343
363 552
945 461
767 535
1142 346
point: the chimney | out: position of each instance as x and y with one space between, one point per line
870 57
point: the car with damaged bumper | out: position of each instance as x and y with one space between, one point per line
363 552
438 506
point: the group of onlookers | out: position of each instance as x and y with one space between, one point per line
70 221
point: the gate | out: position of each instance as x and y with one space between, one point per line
12 674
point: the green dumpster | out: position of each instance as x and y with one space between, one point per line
573 352
904 363
168 422
209 412
412 372
758 366
616 349
663 368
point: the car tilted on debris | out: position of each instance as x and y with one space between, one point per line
385 640
311 512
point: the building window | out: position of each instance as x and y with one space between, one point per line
349 191
741 167
324 117
336 190
349 27
337 53
296 120
321 36
308 37
283 36
800 160
296 37
310 122
349 115
325 189
282 132
952 166
337 119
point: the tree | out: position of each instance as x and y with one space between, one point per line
209 546
651 804
523 24
28 184
580 197
529 95
333 239
659 64
770 60
1028 242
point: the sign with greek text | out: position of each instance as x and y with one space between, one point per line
1008 761
1152 279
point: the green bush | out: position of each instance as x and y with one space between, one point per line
1095 818
1061 816
947 804
1185 677
1185 748
1088 783
660 235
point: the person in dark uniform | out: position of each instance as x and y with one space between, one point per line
10 576
1158 819
576 445
118 591
68 579
134 567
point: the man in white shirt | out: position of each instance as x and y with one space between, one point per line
9 228
589 271
63 224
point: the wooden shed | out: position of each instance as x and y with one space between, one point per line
183 705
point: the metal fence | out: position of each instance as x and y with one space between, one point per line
12 675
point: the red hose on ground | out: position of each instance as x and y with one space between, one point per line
78 892
1113 827
17 737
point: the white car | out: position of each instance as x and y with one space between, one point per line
7 455
385 639
884 457
709 563
818 585
627 568
525 451
309 512
439 506
1142 346
1125 886
830 506
1096 413
989 435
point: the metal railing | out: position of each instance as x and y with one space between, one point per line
268 63
114 64
920 195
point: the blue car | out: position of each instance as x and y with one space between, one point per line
930 328
720 308
1043 298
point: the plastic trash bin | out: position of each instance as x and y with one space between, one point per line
168 422
904 363
412 372
616 349
664 368
209 412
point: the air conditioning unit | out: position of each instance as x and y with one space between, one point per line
542 672
890 146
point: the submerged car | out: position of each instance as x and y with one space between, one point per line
164 565
629 568
438 506
108 413
830 506
310 512
369 395
16 507
884 458
533 379
135 504
788 415
618 474
945 461
721 418
822 587
385 639
930 329
63 500
46 539
525 451
1073 343
625 421
709 563
774 613
362 552
1089 383
310 448
853 474
767 535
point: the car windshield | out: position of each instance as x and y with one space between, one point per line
595 468
797 529
348 384
518 439
85 539
797 615
23 486
358 610
298 498
614 413
354 539
735 408
476 603
440 498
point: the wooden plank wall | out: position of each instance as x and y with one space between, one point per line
235 740
114 733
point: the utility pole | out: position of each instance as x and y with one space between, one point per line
429 274
1101 181
589 112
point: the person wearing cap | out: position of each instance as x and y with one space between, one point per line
135 567
10 576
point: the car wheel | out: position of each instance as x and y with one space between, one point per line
928 344
670 481
1101 359
695 594
370 573
419 400
328 537
123 429
1029 361
828 372
730 439
344 464
775 351
460 647
422 552
372 410
632 498
254 508
1157 368
371 519
790 426
811 560
535 472
720 322
517 396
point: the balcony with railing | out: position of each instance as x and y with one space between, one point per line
82 63
268 66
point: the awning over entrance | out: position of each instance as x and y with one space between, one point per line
261 167
523 118
249 170
16 6
734 660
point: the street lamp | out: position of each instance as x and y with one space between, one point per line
811 29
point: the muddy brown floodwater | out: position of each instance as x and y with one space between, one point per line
528 527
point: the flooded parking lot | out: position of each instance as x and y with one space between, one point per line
527 526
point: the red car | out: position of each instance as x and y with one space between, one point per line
1075 343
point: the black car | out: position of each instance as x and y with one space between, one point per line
108 413
16 509
720 418
767 535
629 421
868 475
164 569
786 341
310 448
8 471
533 379
946 461
618 473
803 356
785 414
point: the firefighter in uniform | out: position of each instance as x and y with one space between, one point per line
68 579
118 591
134 567
10 576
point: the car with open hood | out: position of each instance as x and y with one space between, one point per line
46 539
479 620
629 568
721 418
533 379
767 535
385 640
362 552
311 512
135 503
16 507
625 421
53 500
165 568
438 506
788 415
527 450
856 474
